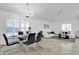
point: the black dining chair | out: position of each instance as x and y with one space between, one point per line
39 38
30 42
20 33
31 39
8 43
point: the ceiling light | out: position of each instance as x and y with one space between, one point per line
29 12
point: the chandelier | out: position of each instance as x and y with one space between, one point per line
29 12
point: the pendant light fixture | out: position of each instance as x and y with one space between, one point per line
29 12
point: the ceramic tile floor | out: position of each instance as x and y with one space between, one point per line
48 47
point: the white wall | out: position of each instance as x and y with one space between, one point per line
58 25
38 24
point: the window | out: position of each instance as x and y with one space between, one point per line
13 26
22 25
9 27
66 27
16 27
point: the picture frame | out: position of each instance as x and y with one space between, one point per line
46 26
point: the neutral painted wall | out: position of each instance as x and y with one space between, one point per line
74 23
38 24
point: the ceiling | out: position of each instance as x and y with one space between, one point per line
46 11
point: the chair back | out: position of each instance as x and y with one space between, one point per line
39 37
20 33
31 38
6 39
